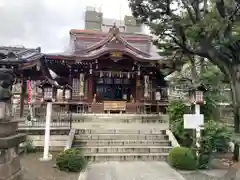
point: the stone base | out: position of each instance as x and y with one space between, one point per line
10 167
12 141
46 159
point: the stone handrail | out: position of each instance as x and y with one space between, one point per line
70 139
172 138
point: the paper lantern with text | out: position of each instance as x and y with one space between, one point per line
68 93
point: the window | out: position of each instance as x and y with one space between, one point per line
108 81
117 81
100 81
126 81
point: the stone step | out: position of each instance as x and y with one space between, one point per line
126 149
120 119
127 157
127 126
121 143
121 137
119 131
104 115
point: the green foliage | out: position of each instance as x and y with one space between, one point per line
210 109
71 160
216 138
176 110
191 23
29 147
182 158
218 135
212 78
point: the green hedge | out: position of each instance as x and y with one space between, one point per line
182 158
71 160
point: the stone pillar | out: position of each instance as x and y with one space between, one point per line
46 155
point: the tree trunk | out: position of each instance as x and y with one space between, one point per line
193 69
234 80
201 64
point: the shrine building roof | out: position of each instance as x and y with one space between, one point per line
19 55
88 45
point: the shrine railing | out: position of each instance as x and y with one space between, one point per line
59 121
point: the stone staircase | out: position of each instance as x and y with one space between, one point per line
123 137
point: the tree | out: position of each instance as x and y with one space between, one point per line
205 28
211 77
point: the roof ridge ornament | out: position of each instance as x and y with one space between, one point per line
114 29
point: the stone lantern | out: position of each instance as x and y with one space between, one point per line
48 88
48 92
9 137
197 93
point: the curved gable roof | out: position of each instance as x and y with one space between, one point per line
104 39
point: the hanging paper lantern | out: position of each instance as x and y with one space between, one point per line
67 94
157 96
128 75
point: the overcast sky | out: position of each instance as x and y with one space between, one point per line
46 23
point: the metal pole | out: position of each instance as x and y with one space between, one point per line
198 130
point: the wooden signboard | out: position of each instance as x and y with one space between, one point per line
114 105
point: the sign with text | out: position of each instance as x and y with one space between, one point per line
114 105
193 121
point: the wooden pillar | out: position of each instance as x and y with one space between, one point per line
22 97
157 108
138 86
90 85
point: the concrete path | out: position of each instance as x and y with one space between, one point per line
130 171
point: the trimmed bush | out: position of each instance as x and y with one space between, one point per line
182 158
71 160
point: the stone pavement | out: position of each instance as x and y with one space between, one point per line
130 171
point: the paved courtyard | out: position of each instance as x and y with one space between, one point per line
130 171
34 169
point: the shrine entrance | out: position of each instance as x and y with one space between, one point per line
113 89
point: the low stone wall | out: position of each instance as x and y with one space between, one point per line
57 142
